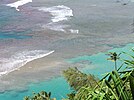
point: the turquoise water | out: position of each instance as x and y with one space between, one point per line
59 87
97 18
7 25
14 35
100 64
12 24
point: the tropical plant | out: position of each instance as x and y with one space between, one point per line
114 57
115 85
77 79
40 96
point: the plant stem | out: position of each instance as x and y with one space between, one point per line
115 65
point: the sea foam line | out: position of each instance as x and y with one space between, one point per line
20 59
18 4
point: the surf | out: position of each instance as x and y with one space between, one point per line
18 60
59 12
17 4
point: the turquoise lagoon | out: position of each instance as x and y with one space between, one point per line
59 87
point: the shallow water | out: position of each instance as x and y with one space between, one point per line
85 28
59 87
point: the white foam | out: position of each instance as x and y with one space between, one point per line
59 12
73 31
18 4
20 59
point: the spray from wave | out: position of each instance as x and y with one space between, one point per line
18 60
17 4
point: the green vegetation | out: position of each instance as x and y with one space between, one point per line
40 96
115 85
114 57
77 79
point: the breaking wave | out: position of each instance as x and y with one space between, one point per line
17 4
20 59
59 12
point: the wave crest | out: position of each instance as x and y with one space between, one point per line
18 4
20 59
59 12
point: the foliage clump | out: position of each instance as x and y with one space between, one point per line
40 96
77 79
115 85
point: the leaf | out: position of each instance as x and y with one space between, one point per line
131 79
109 78
49 94
108 84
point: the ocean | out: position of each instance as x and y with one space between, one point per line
39 39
